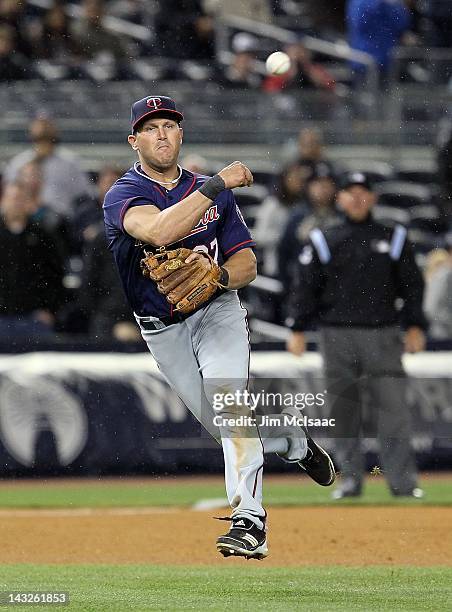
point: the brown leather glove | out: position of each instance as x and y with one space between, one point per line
187 286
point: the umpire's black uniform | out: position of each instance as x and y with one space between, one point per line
350 279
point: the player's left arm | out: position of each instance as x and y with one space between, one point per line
241 268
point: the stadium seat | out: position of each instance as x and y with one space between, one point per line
423 177
251 196
428 219
402 194
390 215
424 242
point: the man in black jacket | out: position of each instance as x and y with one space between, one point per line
350 279
31 269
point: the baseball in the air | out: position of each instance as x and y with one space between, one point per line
277 63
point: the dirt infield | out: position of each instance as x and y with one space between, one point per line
357 536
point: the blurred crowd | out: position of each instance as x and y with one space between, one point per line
57 275
129 39
306 196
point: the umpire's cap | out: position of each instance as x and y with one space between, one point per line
355 178
154 105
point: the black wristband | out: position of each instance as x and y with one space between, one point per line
224 278
213 187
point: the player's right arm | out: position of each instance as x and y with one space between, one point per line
163 227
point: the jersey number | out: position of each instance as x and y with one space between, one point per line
211 250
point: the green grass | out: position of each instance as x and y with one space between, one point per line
94 588
185 492
234 585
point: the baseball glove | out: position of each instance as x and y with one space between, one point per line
187 286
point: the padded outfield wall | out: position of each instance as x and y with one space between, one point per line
103 413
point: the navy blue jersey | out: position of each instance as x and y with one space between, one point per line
221 232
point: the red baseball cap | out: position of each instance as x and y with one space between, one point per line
154 105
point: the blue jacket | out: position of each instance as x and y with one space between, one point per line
375 26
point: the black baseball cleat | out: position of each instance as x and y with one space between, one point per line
244 539
318 464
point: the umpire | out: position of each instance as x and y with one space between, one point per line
351 277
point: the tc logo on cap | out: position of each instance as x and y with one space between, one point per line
154 103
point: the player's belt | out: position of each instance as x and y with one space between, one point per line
153 323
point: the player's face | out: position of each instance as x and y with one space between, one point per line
356 201
158 143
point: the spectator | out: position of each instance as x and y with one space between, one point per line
241 74
55 41
439 16
326 17
321 198
31 270
63 179
88 209
101 297
13 65
100 308
349 280
376 27
92 41
185 30
434 260
288 246
415 36
438 294
273 214
311 149
31 180
12 13
444 157
318 210
303 73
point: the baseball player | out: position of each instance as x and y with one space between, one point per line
162 220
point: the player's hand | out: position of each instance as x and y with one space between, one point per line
296 343
204 260
414 340
236 175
